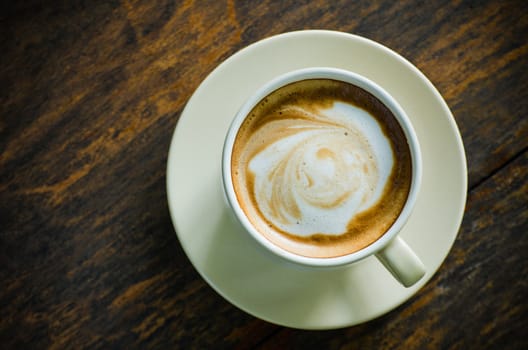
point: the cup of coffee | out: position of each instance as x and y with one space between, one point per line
322 167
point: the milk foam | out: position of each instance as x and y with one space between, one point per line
330 166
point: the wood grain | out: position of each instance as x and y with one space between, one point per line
90 94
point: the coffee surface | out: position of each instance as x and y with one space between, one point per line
321 168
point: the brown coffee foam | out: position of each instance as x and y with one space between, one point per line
313 95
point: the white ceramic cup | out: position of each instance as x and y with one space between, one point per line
390 249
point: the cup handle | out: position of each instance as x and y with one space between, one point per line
402 262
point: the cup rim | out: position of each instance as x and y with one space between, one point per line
348 77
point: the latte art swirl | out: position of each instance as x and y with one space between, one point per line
321 170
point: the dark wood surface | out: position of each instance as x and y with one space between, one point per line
90 93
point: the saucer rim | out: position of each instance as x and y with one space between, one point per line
462 176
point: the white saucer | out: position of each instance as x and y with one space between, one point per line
228 258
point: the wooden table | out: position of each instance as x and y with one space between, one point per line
90 93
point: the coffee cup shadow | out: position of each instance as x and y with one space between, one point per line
261 283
